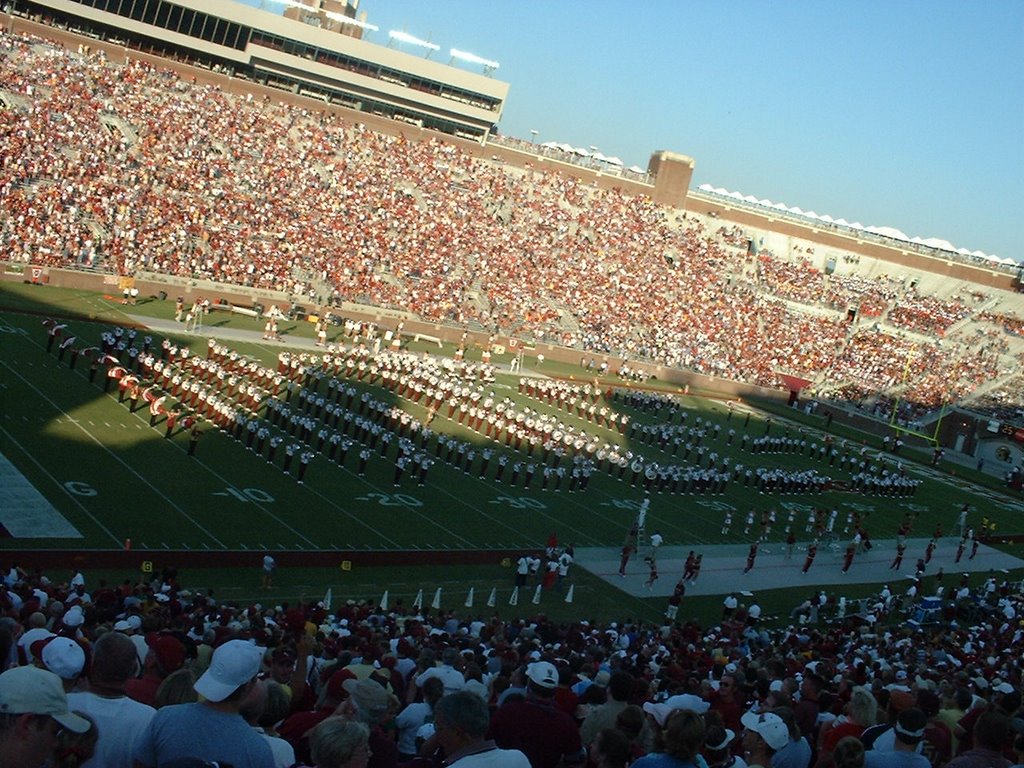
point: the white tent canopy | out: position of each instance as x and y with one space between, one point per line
892 232
936 242
885 231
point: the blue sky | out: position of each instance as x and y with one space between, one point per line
907 113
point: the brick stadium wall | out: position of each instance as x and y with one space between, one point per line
56 559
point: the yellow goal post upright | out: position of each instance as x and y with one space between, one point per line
933 438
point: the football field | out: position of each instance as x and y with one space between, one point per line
82 470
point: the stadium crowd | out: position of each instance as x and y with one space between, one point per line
131 168
155 674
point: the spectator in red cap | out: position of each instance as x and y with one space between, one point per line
166 655
295 730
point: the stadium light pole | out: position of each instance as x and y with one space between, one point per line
341 19
533 135
405 37
471 58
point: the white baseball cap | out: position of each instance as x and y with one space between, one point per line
661 711
543 674
30 690
769 727
61 655
233 664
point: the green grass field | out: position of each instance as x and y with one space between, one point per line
114 477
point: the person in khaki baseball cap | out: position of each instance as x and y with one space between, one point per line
33 709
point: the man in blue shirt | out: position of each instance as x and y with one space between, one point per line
211 729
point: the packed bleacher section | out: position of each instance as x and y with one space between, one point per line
136 659
868 296
926 314
134 169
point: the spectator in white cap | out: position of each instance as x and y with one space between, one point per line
546 735
211 729
797 753
74 617
33 708
62 656
660 711
36 631
764 735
